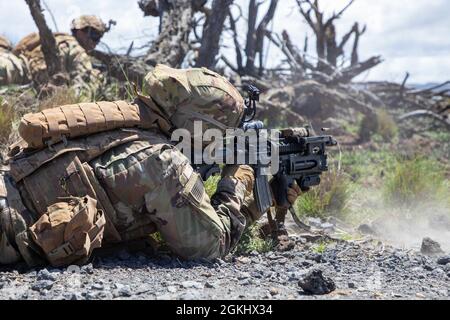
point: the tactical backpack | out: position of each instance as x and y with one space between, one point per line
39 180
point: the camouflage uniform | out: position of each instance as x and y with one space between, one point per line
12 68
148 182
74 58
167 192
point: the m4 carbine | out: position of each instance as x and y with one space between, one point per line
302 157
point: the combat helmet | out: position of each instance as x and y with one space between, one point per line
184 96
91 21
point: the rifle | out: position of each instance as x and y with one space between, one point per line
302 158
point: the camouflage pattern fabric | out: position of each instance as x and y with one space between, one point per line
88 21
75 60
153 182
195 94
13 69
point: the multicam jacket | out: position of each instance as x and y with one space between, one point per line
75 60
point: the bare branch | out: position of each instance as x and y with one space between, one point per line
426 113
47 39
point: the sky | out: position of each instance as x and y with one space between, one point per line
410 35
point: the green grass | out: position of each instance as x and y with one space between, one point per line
211 185
366 166
7 117
386 127
416 181
252 241
62 96
330 198
320 247
380 127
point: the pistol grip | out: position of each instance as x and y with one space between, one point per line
280 187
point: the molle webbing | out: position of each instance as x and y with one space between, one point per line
70 121
87 148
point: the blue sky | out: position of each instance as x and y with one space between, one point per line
410 35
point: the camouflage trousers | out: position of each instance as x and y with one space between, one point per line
151 183
154 182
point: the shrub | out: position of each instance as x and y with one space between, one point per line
415 181
211 185
60 97
330 198
386 126
7 117
382 125
251 241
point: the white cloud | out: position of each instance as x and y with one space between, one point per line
410 35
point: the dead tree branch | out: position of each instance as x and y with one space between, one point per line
172 44
426 113
212 33
47 40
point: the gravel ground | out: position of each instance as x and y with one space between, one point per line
351 270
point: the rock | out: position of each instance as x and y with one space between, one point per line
245 282
125 291
73 269
244 260
211 285
438 272
172 289
430 247
89 269
44 274
254 253
191 284
124 255
97 286
42 285
306 263
318 258
244 275
314 282
366 229
444 260
351 285
274 291
314 222
190 295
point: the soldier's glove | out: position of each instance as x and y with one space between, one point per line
293 193
243 173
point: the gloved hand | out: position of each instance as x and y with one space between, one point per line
243 173
293 193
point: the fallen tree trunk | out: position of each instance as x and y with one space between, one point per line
347 74
426 113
